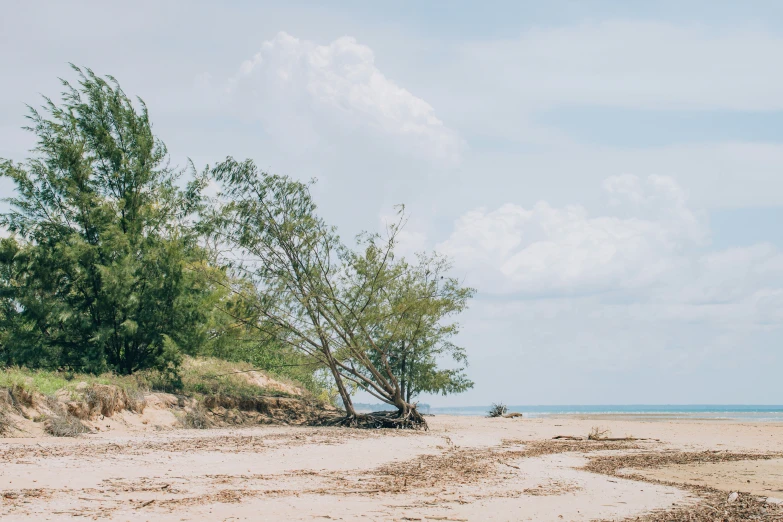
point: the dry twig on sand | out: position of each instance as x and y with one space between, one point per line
598 433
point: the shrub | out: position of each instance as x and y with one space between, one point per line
497 410
64 426
196 419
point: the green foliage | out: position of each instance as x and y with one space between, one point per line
196 377
47 382
497 410
235 332
412 329
96 278
373 321
106 272
207 376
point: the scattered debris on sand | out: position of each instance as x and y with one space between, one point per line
714 504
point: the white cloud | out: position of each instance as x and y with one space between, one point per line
311 95
624 304
545 250
647 260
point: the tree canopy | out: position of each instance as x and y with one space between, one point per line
372 319
96 279
115 264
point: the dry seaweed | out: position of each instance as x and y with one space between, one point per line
714 504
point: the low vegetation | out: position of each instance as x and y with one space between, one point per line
497 410
197 378
196 419
207 392
48 382
64 425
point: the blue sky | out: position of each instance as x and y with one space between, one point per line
606 174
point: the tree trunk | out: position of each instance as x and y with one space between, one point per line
338 379
404 372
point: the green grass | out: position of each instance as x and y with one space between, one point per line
198 377
50 382
218 377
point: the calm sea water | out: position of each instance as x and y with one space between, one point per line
748 412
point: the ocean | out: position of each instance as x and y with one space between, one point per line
746 412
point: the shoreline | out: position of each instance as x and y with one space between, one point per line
661 417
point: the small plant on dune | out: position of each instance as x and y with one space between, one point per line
101 399
196 419
497 410
64 426
598 433
137 401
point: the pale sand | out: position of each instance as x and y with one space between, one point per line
475 472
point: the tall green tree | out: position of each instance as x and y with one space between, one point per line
95 278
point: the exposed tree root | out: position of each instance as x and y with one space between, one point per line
412 420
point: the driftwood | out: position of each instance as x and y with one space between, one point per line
602 439
623 439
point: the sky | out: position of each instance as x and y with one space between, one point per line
607 175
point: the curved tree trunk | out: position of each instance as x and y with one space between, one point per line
344 395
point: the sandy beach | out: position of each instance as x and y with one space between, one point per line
463 468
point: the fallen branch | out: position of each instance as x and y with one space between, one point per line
623 439
603 439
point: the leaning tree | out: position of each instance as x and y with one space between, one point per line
350 309
419 339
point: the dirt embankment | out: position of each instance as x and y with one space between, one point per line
91 408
